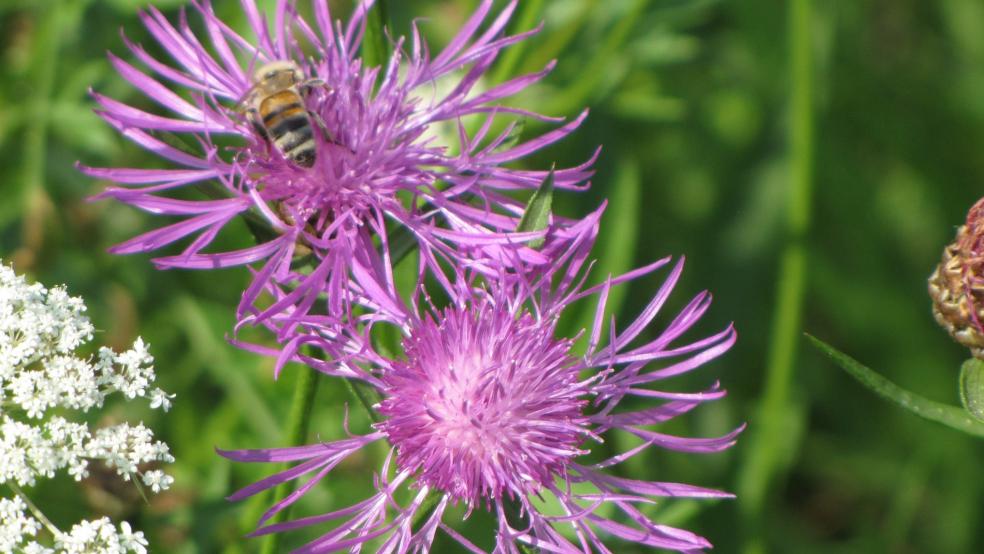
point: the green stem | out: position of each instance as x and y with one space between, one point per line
35 511
49 39
425 509
774 434
951 416
298 423
375 46
367 395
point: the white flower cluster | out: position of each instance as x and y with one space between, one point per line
29 451
102 536
17 531
40 331
16 527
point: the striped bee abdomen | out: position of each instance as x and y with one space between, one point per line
288 125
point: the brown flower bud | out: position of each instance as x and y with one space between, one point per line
957 284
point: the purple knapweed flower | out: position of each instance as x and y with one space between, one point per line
488 407
418 144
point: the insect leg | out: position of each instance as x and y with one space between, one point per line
312 83
320 122
254 119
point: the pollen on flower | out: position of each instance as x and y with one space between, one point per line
484 405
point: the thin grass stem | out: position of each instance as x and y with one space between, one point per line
529 13
298 425
775 426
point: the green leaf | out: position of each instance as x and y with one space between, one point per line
537 214
401 243
951 416
972 387
367 395
375 45
178 142
512 139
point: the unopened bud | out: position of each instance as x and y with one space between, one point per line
957 284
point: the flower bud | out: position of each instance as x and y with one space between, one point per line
957 284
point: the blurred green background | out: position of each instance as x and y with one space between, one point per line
698 109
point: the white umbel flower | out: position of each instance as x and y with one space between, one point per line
15 525
89 537
40 331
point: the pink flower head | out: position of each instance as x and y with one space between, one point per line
488 407
377 157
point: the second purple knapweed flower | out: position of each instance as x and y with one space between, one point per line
488 407
349 151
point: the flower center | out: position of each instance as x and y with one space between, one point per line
485 403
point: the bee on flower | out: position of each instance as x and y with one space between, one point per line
332 155
277 111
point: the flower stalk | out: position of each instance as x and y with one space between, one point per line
375 52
